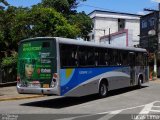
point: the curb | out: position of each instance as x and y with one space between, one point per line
20 98
8 84
155 81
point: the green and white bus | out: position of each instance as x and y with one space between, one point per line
67 67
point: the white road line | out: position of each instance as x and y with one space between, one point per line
157 106
115 112
122 109
147 106
155 111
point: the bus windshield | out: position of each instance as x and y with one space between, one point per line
36 62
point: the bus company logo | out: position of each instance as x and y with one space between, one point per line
85 72
44 70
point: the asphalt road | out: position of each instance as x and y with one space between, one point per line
119 103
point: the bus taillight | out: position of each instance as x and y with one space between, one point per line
54 80
55 75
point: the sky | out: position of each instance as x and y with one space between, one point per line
126 6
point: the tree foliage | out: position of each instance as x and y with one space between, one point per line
68 9
56 18
82 21
64 6
48 22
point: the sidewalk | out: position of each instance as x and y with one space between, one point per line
10 93
156 81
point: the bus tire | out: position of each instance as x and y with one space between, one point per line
103 89
140 82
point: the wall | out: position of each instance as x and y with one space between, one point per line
105 20
102 24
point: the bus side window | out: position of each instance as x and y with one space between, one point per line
46 44
139 59
124 58
101 57
86 56
82 56
68 55
114 57
90 56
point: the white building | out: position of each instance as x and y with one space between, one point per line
116 22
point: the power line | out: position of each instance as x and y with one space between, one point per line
97 7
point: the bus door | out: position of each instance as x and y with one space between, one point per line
132 68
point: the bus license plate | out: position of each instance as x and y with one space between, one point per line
34 85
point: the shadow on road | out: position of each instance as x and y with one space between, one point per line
63 102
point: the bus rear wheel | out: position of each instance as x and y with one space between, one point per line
103 90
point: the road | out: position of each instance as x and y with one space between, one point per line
119 103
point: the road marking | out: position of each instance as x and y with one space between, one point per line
121 109
148 108
115 112
157 106
145 110
155 111
107 115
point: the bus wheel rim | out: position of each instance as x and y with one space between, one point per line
103 90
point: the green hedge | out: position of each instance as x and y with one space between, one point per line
9 68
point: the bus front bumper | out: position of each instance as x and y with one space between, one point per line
45 91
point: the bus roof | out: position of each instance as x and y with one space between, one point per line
84 43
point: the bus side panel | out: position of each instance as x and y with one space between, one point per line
84 81
119 78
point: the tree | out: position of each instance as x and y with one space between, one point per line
68 9
40 22
83 22
64 6
5 24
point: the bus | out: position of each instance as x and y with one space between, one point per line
68 67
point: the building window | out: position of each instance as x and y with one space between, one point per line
144 24
152 22
121 24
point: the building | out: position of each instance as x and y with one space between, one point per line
120 38
150 39
149 31
114 22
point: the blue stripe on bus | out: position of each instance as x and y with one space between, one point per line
70 78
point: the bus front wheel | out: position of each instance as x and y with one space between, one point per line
103 90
